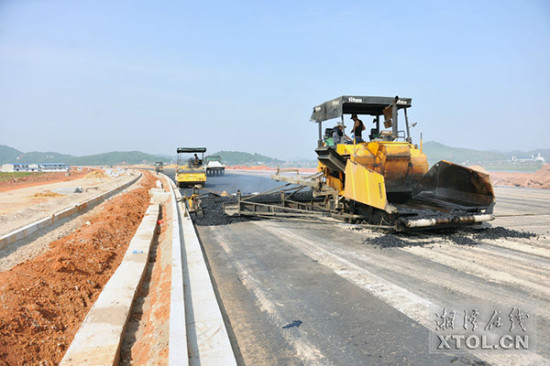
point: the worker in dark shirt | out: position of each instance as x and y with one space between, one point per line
358 128
196 161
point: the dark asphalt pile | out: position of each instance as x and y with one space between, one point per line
462 236
393 241
275 198
214 215
501 232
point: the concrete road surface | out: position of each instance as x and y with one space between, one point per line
308 293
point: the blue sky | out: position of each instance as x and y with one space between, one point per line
85 77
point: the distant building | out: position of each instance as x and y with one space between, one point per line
10 168
46 167
531 159
7 168
54 167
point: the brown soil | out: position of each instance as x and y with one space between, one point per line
43 301
538 179
41 178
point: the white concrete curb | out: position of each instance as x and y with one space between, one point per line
207 339
97 342
25 231
177 350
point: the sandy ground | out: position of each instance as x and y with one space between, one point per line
20 207
44 300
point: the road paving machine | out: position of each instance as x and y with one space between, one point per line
190 168
383 181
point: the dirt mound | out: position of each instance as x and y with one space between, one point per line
46 194
44 301
96 174
538 179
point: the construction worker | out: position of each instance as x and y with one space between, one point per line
196 161
338 136
358 128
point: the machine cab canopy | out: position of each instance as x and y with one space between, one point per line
185 162
191 150
346 104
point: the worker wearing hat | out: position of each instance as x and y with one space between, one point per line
358 128
339 136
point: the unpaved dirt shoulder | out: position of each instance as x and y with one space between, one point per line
35 244
43 301
27 205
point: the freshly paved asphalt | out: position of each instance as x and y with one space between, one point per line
303 293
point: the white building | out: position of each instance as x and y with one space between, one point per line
8 168
46 167
54 167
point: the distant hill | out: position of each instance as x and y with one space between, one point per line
436 152
243 158
491 160
11 155
116 158
8 154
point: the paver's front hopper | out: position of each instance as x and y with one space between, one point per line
450 186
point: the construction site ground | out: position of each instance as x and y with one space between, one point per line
305 292
292 291
9 181
25 203
49 281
